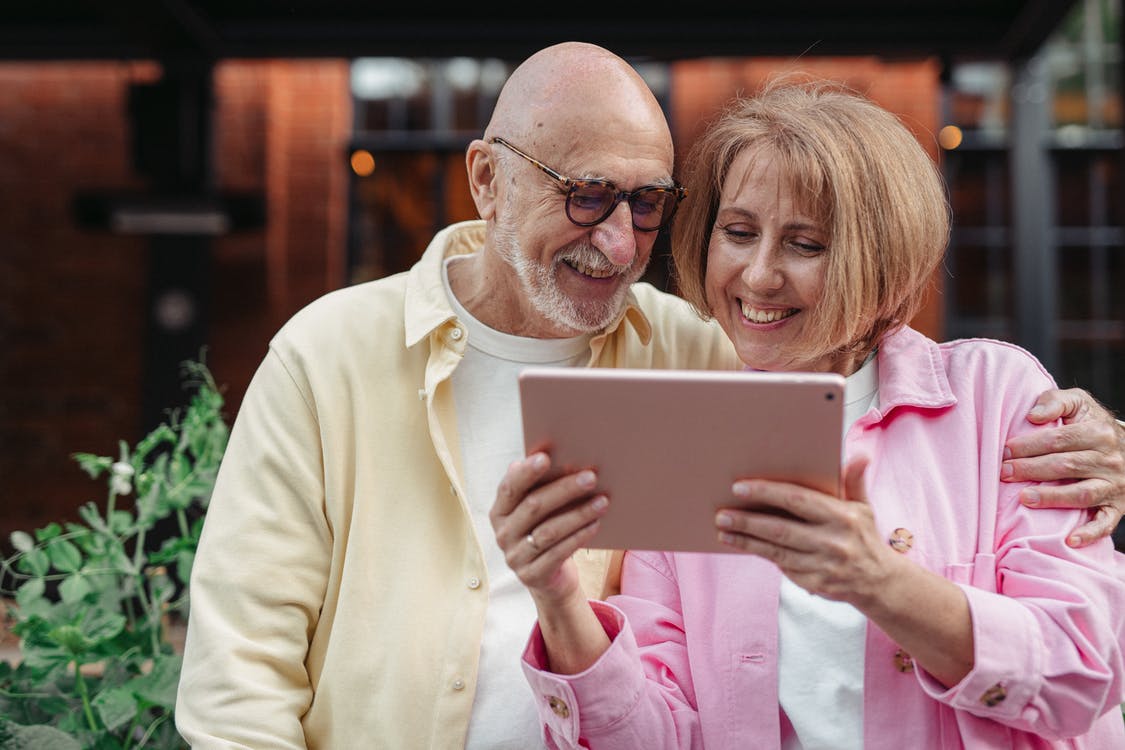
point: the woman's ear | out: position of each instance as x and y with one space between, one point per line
482 177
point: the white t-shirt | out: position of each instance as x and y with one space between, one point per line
822 642
490 431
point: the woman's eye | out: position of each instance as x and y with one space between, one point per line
738 232
809 247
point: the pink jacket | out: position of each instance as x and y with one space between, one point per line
693 662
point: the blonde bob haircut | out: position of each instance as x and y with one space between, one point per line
863 176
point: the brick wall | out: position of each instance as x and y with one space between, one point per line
72 301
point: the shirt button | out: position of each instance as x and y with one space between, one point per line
458 684
994 695
558 705
474 583
901 540
904 662
456 334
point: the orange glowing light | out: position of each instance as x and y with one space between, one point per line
949 137
363 163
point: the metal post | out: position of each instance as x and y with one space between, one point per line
1033 214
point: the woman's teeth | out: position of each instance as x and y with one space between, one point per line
755 315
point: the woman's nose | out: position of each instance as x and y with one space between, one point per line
763 271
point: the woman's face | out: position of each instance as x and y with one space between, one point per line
766 265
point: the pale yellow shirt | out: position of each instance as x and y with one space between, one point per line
338 594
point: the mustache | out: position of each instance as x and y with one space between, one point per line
586 254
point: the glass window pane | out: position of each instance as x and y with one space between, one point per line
1095 367
982 281
978 183
1074 283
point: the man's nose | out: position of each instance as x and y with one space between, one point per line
615 237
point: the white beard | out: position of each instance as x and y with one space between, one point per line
540 287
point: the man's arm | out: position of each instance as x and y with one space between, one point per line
1089 447
257 585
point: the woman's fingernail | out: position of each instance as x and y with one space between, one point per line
1007 453
1074 541
600 502
538 461
1029 498
723 520
586 480
740 489
1006 470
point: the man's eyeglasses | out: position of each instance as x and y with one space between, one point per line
589 202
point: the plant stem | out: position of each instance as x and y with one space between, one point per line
129 734
181 519
80 681
151 729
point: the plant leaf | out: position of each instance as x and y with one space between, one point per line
158 687
48 532
116 707
102 625
35 737
71 639
65 556
91 464
92 516
74 588
31 591
35 562
22 541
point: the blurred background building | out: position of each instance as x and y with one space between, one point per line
182 176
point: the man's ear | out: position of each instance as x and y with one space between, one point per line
482 177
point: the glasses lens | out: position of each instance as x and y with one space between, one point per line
589 202
652 207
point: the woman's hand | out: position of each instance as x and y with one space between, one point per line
1089 446
539 526
831 547
826 545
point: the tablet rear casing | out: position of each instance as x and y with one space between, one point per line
668 444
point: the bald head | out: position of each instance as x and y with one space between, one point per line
585 112
567 94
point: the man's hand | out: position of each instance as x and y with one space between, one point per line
1089 447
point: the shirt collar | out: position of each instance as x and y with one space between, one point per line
911 372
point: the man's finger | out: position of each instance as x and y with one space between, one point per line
1057 466
1055 404
1101 525
1096 436
1085 494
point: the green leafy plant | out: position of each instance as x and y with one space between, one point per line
93 600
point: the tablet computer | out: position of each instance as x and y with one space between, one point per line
668 444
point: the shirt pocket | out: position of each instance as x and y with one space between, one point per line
980 573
